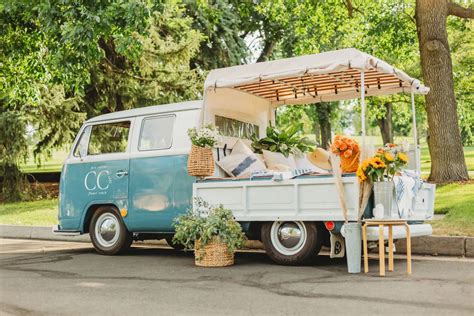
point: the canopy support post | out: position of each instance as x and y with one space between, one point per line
362 102
415 133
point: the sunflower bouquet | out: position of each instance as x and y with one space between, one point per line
383 166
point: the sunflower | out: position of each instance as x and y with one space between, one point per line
377 163
361 174
403 157
389 157
365 164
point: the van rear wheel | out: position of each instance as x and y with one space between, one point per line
291 243
108 232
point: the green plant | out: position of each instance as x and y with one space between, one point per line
287 141
204 223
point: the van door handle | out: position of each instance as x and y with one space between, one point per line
121 173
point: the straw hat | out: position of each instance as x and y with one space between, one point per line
320 158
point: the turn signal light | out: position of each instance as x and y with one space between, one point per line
329 225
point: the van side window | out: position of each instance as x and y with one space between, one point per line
236 128
81 147
109 138
156 133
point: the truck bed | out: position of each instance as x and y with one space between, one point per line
306 198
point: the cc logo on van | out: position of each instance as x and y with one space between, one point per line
97 180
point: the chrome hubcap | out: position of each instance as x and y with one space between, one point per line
107 230
288 237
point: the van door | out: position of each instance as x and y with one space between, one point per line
160 188
97 171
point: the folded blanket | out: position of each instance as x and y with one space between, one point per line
280 176
406 188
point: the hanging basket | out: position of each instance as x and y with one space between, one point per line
214 254
200 162
350 164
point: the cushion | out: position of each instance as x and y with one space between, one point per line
303 163
273 159
241 162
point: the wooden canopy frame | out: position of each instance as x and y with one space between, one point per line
316 85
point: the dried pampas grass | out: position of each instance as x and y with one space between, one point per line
337 172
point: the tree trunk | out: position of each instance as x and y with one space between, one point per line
445 144
385 124
324 119
266 51
14 185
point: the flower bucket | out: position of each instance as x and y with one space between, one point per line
352 236
214 254
200 162
383 194
350 164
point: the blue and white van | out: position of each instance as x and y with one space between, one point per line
126 178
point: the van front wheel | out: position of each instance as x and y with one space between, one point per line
108 232
291 243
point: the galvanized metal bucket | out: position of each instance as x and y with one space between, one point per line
352 235
383 194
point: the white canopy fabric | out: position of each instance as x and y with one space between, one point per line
328 76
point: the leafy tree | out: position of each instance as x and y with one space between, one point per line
63 61
445 143
219 21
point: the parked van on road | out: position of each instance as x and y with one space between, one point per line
126 178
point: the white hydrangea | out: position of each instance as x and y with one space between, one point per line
207 136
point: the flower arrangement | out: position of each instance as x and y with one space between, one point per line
206 223
349 151
207 136
383 165
344 146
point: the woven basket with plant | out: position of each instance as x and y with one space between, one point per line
200 159
213 233
348 149
214 254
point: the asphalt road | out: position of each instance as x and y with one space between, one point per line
57 278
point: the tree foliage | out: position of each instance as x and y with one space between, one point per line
63 61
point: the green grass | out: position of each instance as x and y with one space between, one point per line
457 202
426 160
51 165
40 213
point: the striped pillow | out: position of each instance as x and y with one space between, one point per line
241 162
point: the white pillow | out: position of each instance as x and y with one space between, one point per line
303 163
273 159
241 162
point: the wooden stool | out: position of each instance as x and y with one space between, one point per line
381 223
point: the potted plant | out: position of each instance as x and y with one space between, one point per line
286 141
348 149
201 160
213 233
380 169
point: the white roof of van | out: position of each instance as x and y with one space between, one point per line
155 109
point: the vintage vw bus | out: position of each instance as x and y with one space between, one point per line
126 178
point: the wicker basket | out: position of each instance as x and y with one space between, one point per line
200 162
214 254
350 164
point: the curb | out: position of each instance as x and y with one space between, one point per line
37 232
425 245
439 245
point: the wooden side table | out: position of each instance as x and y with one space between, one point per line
381 223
